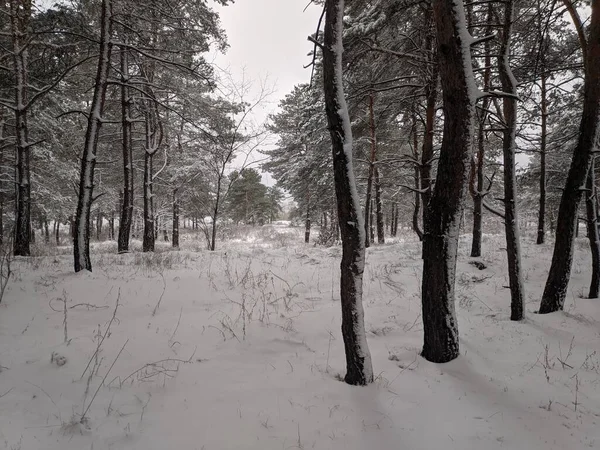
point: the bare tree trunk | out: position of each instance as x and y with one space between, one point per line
358 358
555 290
215 217
511 220
592 229
379 209
20 14
126 218
443 212
99 219
81 245
541 233
417 170
431 95
57 233
46 232
372 159
307 220
149 236
175 237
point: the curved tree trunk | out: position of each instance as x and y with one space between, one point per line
81 241
511 220
443 212
352 226
555 290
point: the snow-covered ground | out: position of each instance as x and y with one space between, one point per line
241 349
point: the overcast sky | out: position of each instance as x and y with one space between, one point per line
268 38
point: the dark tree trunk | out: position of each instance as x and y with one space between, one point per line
372 160
417 209
46 232
111 225
358 358
395 227
477 174
149 236
57 233
372 221
431 95
555 290
20 14
592 229
443 212
379 209
541 231
175 237
126 218
214 218
511 220
307 219
81 245
99 219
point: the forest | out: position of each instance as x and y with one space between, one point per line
402 251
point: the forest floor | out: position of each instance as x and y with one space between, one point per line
241 349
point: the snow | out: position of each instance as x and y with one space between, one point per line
273 384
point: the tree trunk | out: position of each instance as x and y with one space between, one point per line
307 220
57 233
431 94
214 217
99 219
417 209
81 245
541 233
20 14
358 358
477 192
511 221
175 237
555 290
46 232
149 236
126 218
379 209
443 212
368 206
592 229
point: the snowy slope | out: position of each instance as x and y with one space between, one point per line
244 352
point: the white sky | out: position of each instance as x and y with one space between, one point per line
268 41
268 37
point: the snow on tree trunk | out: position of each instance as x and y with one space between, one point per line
126 218
352 226
20 14
444 210
591 193
555 291
81 232
511 220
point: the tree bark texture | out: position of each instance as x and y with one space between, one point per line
126 218
444 210
81 244
555 291
20 15
511 219
352 226
175 232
